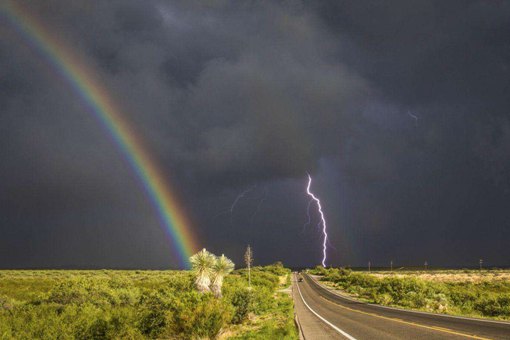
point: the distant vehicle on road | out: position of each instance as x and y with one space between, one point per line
300 279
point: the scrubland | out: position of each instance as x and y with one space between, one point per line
472 293
111 304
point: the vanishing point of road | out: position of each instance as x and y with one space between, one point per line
323 314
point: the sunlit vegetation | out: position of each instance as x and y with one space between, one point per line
459 292
107 304
210 270
202 264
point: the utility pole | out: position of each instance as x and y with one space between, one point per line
391 265
426 265
481 264
248 259
369 266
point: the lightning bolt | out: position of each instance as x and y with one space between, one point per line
241 195
234 203
414 117
323 220
308 214
238 198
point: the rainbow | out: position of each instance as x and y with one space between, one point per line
97 99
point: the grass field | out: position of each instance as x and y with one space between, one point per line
473 293
452 276
108 304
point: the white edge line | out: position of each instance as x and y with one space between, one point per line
320 317
404 310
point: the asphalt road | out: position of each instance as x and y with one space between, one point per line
323 314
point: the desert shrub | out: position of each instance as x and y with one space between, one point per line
277 269
242 301
263 278
97 330
383 299
494 305
98 292
68 292
485 298
403 291
279 326
438 303
263 300
6 303
110 304
464 296
344 271
152 313
318 270
199 315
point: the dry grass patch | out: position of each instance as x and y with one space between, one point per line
459 276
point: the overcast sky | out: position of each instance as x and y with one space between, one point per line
400 111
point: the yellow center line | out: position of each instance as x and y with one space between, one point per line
435 328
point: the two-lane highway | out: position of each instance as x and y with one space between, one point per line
324 314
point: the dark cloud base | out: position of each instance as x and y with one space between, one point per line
230 95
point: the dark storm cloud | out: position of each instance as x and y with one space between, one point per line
230 90
447 64
407 46
230 95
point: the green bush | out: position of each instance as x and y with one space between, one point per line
318 270
486 298
152 314
242 301
493 305
111 304
199 315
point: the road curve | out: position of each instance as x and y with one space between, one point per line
324 314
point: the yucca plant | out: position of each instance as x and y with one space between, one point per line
221 268
202 264
248 259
